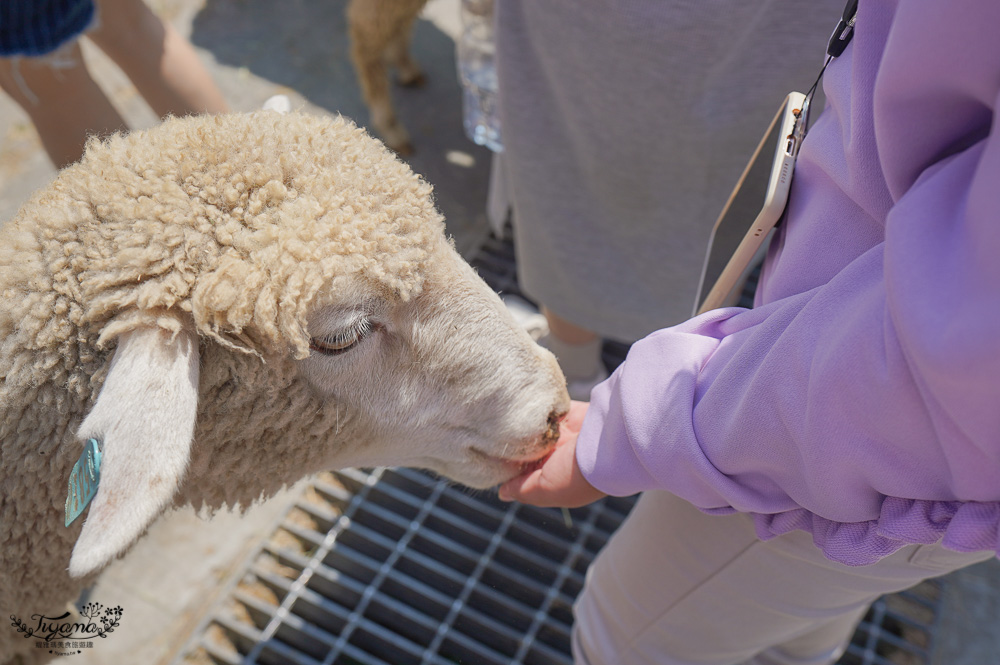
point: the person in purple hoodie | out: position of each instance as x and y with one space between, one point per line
841 440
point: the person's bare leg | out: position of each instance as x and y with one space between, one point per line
162 65
567 331
579 353
65 104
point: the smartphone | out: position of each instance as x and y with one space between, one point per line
755 207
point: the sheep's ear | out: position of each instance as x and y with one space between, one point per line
144 422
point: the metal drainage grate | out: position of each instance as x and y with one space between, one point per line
396 567
898 629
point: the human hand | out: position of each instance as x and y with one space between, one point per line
558 480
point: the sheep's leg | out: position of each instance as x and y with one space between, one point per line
408 72
369 35
375 88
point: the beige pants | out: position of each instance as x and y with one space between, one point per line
677 587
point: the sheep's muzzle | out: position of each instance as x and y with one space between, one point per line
551 433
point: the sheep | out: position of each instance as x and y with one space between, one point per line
226 304
380 32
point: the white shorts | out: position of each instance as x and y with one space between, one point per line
675 586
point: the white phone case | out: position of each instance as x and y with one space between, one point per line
789 121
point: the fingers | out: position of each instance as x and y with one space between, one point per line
574 417
558 482
514 489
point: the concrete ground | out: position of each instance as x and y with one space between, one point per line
257 48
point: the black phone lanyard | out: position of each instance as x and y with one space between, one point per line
844 31
839 40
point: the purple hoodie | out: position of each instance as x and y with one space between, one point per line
860 401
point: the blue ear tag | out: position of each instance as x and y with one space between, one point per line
83 481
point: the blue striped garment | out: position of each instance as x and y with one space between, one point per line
38 27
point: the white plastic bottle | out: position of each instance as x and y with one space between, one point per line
478 74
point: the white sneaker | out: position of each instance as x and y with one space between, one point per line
279 103
535 323
579 388
526 315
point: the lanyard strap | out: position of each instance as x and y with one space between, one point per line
839 40
844 31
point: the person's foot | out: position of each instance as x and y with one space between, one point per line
535 323
526 315
279 103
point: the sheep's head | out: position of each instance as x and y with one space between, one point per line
282 287
445 381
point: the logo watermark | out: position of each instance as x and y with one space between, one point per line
67 635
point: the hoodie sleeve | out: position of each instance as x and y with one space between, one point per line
872 368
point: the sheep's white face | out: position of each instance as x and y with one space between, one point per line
447 381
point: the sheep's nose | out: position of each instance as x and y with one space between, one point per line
551 434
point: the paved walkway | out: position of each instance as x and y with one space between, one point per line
258 48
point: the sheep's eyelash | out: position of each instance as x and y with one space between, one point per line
343 340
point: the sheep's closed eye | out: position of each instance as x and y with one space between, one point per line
343 340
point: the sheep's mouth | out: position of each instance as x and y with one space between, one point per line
531 454
518 464
528 467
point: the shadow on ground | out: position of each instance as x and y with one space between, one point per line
303 45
